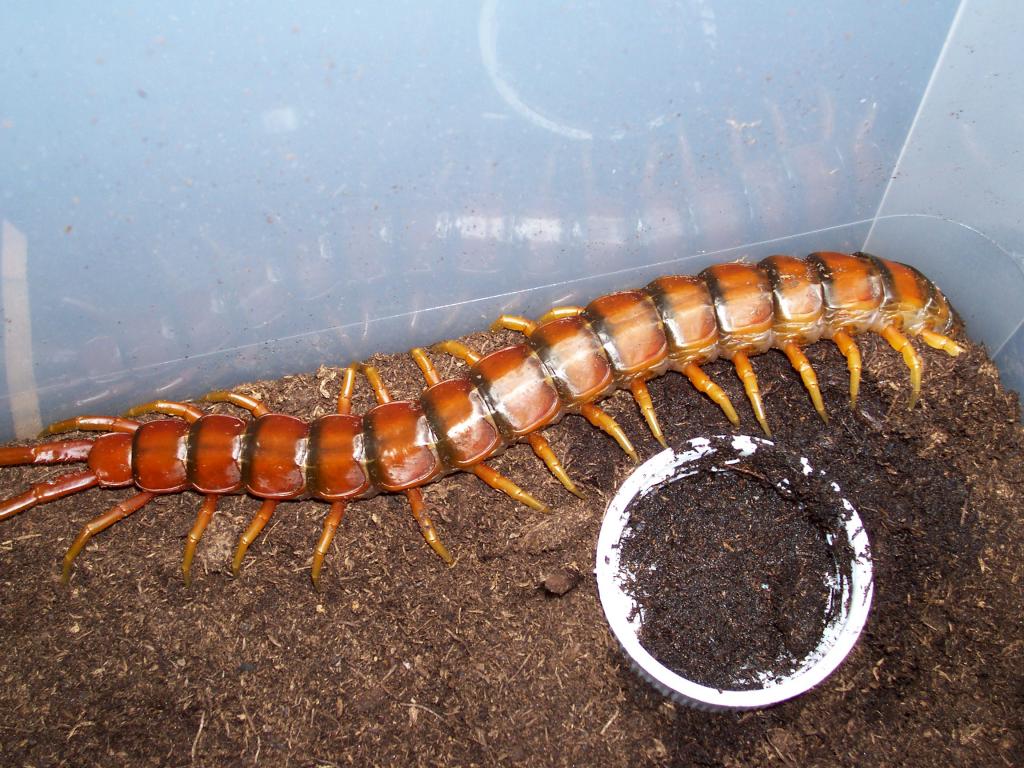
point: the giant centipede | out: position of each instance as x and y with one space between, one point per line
571 358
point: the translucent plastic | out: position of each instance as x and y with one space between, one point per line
196 197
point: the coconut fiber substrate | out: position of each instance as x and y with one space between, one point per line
505 658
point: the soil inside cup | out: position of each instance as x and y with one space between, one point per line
735 593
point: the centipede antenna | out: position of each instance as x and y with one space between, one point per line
331 523
902 344
257 524
643 398
556 313
499 482
851 352
186 411
542 448
746 373
101 523
251 404
802 366
703 383
91 424
600 419
514 323
198 528
941 341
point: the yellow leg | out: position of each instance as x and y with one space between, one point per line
603 421
556 313
419 512
848 347
499 482
348 385
941 341
251 404
902 344
543 450
331 523
802 366
101 523
643 398
459 350
414 495
704 384
333 518
257 524
514 323
746 373
182 410
198 528
426 366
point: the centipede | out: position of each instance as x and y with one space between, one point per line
570 359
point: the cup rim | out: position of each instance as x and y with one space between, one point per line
853 594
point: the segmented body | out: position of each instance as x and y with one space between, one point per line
570 359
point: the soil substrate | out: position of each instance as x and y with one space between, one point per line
505 658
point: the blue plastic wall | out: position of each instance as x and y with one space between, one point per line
214 193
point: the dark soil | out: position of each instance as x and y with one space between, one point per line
735 588
501 660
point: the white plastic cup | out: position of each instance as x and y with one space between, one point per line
851 592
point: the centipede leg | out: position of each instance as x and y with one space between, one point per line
499 482
419 513
331 523
50 490
802 366
902 344
941 341
414 495
334 515
91 424
198 528
746 373
542 448
643 398
514 323
459 350
556 313
851 352
703 383
257 524
101 523
186 411
600 419
251 404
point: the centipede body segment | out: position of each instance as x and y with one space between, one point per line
570 358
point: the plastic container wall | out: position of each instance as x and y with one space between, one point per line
197 197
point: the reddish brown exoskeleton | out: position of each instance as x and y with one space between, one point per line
571 358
